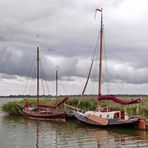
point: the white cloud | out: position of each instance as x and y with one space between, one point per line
68 32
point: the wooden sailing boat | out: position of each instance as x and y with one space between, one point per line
107 117
43 111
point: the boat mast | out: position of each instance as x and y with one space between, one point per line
38 71
100 62
56 85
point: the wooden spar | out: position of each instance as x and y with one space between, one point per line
86 81
38 73
87 78
100 63
72 107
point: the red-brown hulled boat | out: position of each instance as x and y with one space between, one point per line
43 114
43 111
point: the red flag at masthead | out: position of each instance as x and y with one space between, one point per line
98 10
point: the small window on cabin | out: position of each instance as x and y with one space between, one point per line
100 115
107 116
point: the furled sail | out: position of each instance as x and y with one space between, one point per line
117 100
53 106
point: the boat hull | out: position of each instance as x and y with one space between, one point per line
131 122
48 115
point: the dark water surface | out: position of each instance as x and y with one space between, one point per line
20 132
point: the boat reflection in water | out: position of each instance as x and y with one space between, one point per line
37 135
73 134
120 138
24 133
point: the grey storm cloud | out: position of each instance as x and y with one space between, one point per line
68 33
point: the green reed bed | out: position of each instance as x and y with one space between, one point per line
10 107
86 103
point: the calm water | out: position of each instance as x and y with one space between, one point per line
19 132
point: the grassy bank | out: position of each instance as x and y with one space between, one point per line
87 103
10 107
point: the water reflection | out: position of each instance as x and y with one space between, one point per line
16 132
22 132
120 138
37 135
39 131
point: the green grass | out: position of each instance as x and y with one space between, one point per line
10 107
87 103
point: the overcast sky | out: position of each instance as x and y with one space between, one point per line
67 35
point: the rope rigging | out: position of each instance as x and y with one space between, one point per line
44 76
29 75
32 74
90 70
93 58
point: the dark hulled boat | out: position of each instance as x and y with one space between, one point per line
107 117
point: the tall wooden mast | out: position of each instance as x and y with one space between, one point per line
100 62
56 85
38 72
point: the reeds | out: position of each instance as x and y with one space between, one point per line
86 103
10 107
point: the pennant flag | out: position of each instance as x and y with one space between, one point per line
100 10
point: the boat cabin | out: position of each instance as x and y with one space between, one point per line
108 115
